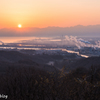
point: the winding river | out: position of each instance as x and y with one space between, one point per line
70 51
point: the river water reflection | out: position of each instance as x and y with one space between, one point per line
61 49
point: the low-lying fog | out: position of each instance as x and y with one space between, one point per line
59 41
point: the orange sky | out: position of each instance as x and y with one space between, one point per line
44 13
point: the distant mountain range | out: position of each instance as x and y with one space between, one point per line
79 30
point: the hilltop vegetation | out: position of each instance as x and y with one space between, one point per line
22 78
34 84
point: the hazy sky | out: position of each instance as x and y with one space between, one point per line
44 13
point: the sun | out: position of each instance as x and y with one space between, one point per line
19 25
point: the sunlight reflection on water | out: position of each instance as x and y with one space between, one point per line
69 51
14 39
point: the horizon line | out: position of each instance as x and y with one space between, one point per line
49 26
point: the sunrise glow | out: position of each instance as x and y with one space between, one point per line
60 13
19 26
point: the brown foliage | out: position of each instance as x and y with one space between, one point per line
32 84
